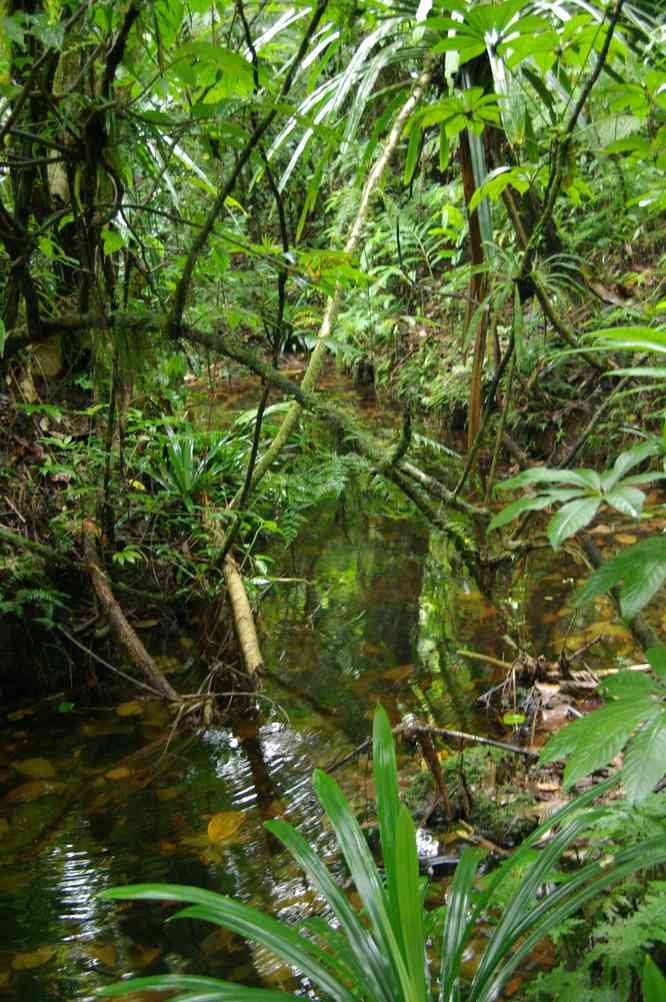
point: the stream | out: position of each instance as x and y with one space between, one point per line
370 609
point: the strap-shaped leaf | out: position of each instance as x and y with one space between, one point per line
369 965
385 774
248 922
457 924
409 903
645 760
197 989
365 876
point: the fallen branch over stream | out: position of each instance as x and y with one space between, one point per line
413 729
243 620
121 629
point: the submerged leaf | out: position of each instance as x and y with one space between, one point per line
37 768
28 792
223 826
36 958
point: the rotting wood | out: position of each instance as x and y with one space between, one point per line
243 620
121 629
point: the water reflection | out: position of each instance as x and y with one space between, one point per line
378 612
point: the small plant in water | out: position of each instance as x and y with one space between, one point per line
380 954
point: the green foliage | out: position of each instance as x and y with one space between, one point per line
636 717
638 571
587 491
380 954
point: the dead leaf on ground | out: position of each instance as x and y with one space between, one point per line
399 673
27 792
36 768
133 708
121 772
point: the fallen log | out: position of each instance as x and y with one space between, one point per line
121 629
243 620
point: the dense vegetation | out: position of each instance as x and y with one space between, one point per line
460 204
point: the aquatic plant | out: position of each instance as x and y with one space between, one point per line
380 954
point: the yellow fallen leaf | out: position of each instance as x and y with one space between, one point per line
224 825
397 674
36 958
36 768
144 956
137 485
121 772
105 953
28 792
626 538
131 709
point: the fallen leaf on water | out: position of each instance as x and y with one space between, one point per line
121 772
28 792
105 953
131 709
102 729
166 793
17 881
19 714
221 941
36 958
36 768
224 825
144 956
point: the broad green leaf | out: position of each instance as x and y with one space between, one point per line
516 508
627 500
653 982
627 460
630 684
657 658
640 570
645 760
570 519
596 739
412 158
544 475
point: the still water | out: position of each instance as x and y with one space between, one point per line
371 609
